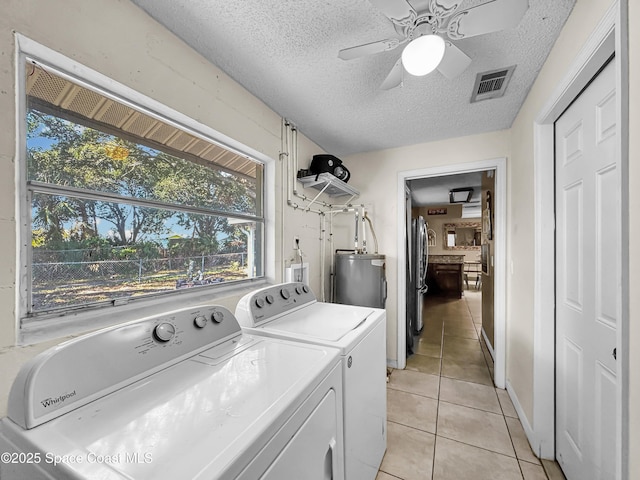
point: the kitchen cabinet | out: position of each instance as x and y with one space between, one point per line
445 275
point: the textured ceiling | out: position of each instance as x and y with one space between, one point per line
433 191
285 53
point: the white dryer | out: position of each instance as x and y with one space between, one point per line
291 311
183 395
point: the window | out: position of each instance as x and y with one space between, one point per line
123 204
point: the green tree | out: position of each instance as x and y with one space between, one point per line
78 156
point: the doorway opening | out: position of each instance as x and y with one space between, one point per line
443 243
450 288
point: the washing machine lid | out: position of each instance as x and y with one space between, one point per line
205 417
328 322
184 394
290 310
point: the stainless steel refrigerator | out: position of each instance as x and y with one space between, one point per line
419 262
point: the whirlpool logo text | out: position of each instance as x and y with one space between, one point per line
48 402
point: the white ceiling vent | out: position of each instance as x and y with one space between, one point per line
491 84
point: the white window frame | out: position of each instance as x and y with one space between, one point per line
44 327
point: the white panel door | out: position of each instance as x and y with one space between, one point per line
588 281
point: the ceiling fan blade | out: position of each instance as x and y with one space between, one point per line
398 11
441 9
368 49
394 78
486 18
454 62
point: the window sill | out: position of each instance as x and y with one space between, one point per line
74 324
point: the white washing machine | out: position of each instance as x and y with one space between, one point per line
291 311
185 395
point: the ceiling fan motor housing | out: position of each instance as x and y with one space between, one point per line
438 19
325 163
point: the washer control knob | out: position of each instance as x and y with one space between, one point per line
259 302
285 293
217 316
164 332
270 299
299 290
305 289
200 321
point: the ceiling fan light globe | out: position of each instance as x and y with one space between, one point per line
423 55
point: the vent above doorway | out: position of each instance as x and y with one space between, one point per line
491 84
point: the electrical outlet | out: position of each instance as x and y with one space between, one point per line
296 242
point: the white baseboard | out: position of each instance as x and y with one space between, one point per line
531 436
392 363
488 344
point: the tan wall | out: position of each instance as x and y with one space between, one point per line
585 16
634 232
380 168
150 60
122 42
520 223
377 172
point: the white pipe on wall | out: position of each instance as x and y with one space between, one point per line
373 233
364 230
289 165
289 153
356 245
331 259
283 172
323 224
294 146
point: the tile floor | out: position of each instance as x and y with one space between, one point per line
446 421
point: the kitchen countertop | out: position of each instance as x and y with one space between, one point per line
446 258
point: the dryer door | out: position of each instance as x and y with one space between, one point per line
313 453
365 405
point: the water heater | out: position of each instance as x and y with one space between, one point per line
360 279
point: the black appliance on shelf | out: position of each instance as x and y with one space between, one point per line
328 163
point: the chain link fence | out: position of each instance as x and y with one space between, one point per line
76 282
139 270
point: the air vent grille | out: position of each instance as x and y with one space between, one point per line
491 84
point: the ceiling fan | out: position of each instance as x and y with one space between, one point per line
425 31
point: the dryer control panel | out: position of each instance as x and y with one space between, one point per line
81 370
271 302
